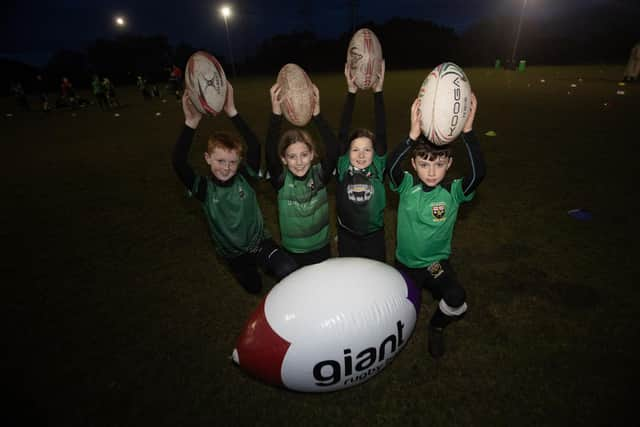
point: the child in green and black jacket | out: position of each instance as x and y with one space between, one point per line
427 213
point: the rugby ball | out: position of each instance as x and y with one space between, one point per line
207 83
297 99
329 326
445 101
364 57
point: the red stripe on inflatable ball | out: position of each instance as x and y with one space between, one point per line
260 349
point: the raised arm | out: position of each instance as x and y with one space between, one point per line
328 137
380 115
274 164
183 145
347 111
395 171
477 165
250 138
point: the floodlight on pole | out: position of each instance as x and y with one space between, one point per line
515 44
225 11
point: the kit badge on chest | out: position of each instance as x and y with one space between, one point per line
438 211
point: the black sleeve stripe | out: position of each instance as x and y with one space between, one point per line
396 163
476 160
472 180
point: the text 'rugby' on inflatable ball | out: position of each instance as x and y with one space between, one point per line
445 100
297 99
329 326
364 57
206 83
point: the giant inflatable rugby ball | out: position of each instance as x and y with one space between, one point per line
364 58
445 100
206 83
329 326
297 99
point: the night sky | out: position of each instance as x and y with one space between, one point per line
33 29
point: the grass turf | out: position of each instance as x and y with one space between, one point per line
118 313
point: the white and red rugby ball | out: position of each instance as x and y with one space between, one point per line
445 101
297 100
364 58
206 83
329 326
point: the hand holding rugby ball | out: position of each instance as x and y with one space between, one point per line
206 83
297 98
445 101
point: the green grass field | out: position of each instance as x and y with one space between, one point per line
118 313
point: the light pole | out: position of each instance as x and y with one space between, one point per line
515 45
225 11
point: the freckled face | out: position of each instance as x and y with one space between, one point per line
223 163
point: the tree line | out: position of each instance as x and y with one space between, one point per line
407 43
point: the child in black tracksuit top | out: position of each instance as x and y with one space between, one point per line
360 192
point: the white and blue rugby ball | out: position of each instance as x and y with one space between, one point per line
445 101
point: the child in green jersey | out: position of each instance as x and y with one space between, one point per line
427 214
301 183
228 199
360 192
